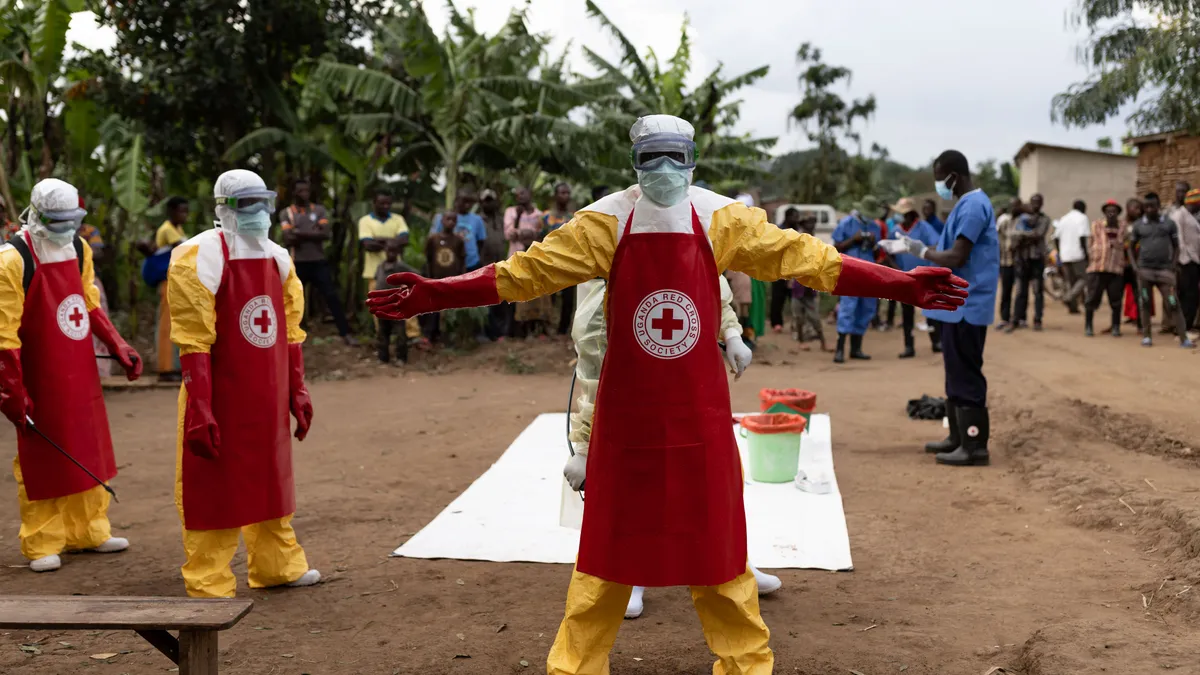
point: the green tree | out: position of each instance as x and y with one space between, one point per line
640 86
1155 64
828 121
466 98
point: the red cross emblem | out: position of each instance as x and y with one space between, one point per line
666 324
72 317
258 322
76 317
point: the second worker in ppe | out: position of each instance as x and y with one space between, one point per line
590 334
49 312
236 305
664 487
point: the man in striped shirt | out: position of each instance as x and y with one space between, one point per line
1004 228
1105 266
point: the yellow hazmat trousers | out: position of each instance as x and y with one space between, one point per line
728 613
71 523
273 557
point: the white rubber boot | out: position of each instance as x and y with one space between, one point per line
112 545
47 563
634 609
767 583
309 578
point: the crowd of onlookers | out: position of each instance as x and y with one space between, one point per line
1125 255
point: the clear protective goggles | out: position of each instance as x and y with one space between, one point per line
651 153
61 222
250 202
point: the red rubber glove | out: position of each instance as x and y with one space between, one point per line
128 357
14 401
924 287
414 294
298 398
201 437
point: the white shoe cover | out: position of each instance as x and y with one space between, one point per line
112 545
767 583
309 578
634 609
47 563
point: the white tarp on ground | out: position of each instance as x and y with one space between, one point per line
512 512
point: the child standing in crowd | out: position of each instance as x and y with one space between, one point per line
523 226
392 264
445 256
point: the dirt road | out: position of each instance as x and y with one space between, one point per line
1075 552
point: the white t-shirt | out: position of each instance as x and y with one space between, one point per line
1071 228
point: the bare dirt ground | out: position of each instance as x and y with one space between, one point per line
1075 552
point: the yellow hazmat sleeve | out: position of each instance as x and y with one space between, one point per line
91 294
574 253
744 241
12 298
193 306
293 306
589 331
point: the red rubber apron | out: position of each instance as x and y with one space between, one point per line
664 489
59 369
251 481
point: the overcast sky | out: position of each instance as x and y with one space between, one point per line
977 76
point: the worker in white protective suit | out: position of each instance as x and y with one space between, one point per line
49 312
236 305
591 341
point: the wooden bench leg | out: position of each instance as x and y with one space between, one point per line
163 642
198 652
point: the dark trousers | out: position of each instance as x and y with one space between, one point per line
1029 275
1075 276
384 340
316 274
497 322
1007 276
431 325
1099 283
908 317
780 294
962 355
567 296
1189 292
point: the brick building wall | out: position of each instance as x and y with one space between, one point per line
1165 159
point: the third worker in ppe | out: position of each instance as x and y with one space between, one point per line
49 312
664 486
236 305
855 237
590 334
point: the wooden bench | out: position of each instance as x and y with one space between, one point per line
197 620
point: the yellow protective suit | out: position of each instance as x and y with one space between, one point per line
74 522
273 555
582 250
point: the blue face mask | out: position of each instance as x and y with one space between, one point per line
944 191
254 224
666 184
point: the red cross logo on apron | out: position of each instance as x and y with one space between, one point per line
666 324
258 322
72 317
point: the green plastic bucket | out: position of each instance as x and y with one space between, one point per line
774 442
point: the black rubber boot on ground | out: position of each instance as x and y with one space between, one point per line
973 429
856 351
1116 322
952 441
839 356
1087 324
909 351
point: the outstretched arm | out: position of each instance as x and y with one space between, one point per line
576 252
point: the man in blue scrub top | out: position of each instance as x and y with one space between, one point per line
911 226
855 236
970 246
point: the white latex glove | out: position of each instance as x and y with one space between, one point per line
915 246
894 246
576 469
737 355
